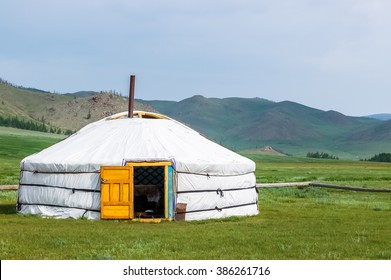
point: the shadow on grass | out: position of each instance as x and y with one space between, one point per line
7 209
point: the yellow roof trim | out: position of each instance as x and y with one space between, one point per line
139 114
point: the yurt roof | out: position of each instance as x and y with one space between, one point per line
145 137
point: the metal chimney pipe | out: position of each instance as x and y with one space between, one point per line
131 95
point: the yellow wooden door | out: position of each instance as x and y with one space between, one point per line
116 192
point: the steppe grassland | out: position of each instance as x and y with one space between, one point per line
294 223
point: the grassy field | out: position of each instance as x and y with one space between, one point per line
274 169
294 223
15 144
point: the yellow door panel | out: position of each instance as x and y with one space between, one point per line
116 192
125 192
116 212
104 192
115 173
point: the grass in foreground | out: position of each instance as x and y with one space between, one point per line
308 223
294 223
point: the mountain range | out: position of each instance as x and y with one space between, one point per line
237 123
382 117
252 123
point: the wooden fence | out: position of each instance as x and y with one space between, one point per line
279 185
320 185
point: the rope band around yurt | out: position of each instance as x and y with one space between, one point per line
217 208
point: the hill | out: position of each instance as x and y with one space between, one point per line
382 117
378 132
266 151
237 123
67 112
250 123
82 93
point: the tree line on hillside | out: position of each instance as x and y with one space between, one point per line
382 157
30 125
321 155
5 82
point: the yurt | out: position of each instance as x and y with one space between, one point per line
148 166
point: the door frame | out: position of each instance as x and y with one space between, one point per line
166 165
108 207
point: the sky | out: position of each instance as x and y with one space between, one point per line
325 54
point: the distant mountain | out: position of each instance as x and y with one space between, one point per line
378 132
237 123
250 123
382 117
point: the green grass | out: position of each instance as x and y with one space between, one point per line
294 223
272 169
15 144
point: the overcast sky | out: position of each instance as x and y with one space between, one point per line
326 54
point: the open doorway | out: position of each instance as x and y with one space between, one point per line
149 191
137 190
152 192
